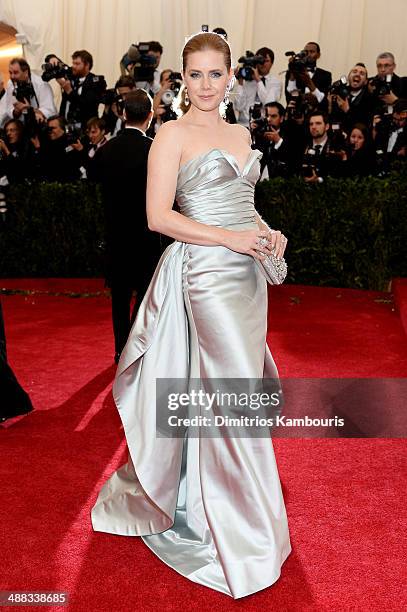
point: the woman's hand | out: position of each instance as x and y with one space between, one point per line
253 242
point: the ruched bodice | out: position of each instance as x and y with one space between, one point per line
210 507
211 189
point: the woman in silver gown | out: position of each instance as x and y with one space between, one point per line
209 507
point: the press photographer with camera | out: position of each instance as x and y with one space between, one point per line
142 62
82 90
18 159
390 135
304 75
60 153
350 101
255 83
279 140
387 87
28 98
321 157
114 104
170 87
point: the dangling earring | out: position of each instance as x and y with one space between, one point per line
186 99
226 98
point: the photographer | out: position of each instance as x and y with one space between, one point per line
60 153
141 62
356 104
170 85
28 98
321 158
114 103
390 134
304 75
18 159
279 140
82 91
255 83
387 87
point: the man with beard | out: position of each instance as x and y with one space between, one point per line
358 107
320 159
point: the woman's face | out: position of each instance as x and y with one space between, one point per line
12 133
357 140
206 78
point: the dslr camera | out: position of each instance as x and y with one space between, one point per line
298 62
381 85
249 61
169 96
55 71
340 88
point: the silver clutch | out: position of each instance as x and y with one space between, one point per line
276 269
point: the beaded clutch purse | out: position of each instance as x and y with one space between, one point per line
276 269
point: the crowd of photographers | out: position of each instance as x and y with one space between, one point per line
354 126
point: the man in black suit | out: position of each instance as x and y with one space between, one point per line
358 106
82 93
387 86
311 79
133 250
390 133
281 141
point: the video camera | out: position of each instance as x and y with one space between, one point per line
139 63
298 62
249 61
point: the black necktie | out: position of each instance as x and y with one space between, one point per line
263 80
317 150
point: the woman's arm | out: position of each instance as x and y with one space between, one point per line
163 165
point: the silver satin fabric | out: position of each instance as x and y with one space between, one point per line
210 508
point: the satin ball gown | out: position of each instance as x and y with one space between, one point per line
209 507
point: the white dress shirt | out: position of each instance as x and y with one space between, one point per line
44 99
252 92
292 85
154 86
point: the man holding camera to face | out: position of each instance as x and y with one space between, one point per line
387 87
82 91
27 97
256 85
304 75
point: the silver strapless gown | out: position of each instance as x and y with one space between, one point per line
210 508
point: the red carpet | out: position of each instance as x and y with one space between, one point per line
345 498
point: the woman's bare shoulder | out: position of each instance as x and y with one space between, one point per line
240 131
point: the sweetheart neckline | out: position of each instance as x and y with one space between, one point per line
226 154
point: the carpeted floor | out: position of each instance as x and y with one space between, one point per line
345 498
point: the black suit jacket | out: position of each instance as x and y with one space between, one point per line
121 168
84 106
322 80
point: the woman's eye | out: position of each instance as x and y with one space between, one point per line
216 74
194 74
